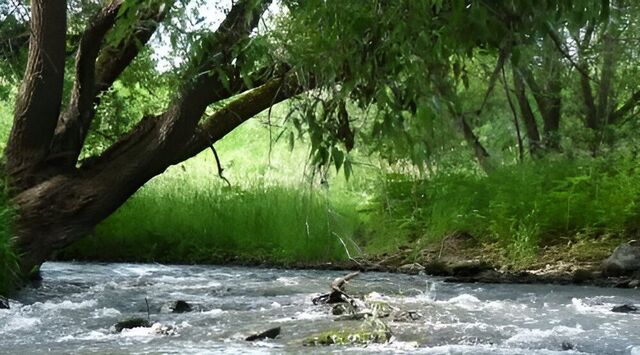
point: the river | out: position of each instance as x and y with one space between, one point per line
74 307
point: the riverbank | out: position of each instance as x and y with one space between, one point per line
457 258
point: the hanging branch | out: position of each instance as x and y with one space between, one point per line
220 169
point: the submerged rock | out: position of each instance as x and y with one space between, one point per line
4 303
625 308
180 306
270 334
625 260
131 323
406 316
346 337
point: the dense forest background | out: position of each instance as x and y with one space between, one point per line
512 127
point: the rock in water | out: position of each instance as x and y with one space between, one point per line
625 260
625 308
132 323
271 334
180 306
4 303
413 268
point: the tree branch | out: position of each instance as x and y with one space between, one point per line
206 72
631 103
80 108
238 111
97 68
38 103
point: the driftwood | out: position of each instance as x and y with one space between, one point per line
337 294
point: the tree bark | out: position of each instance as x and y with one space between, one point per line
38 103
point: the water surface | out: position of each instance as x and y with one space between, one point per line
74 308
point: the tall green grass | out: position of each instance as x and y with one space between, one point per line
181 223
521 207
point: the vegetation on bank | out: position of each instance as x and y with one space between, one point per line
573 210
8 258
516 212
519 133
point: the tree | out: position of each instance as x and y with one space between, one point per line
59 198
405 57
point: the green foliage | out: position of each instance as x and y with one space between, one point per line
521 207
270 214
8 258
184 223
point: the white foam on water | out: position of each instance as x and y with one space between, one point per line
92 335
106 312
214 312
534 336
66 304
288 281
465 301
634 349
582 307
18 322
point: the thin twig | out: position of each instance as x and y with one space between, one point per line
148 312
220 169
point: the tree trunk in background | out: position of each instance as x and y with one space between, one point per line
528 118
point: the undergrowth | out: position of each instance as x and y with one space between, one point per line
518 207
8 259
179 222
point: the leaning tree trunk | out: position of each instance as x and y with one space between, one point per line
60 200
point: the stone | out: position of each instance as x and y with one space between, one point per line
339 309
349 337
625 308
267 334
582 275
131 323
625 260
4 303
180 306
634 283
407 316
469 268
412 268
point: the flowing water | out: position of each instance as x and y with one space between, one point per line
74 308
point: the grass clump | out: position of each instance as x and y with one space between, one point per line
174 221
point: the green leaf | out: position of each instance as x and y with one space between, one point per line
338 157
348 169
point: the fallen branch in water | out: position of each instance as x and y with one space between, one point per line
337 294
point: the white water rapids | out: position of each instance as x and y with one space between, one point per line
73 309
